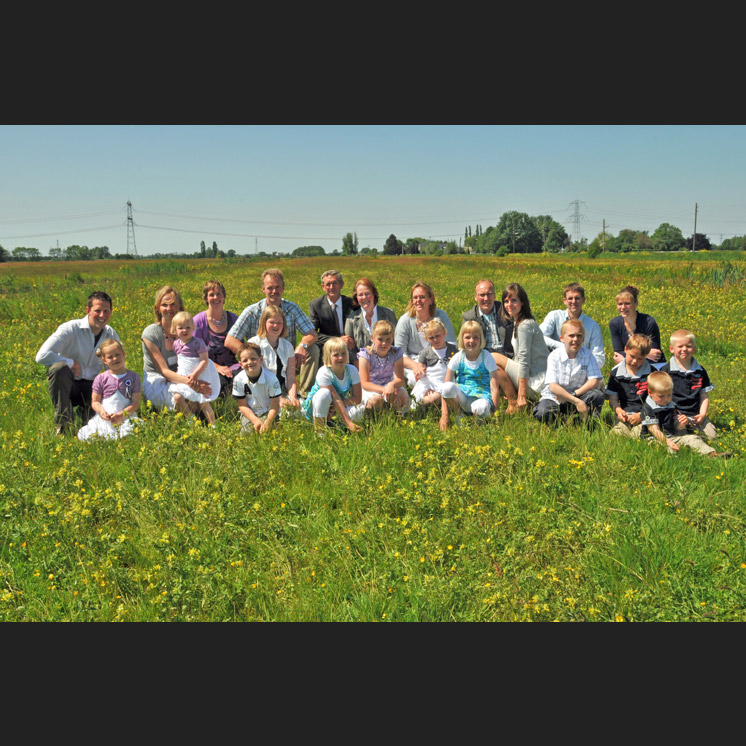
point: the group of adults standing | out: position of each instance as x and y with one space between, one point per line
516 341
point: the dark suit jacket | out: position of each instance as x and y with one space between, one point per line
323 320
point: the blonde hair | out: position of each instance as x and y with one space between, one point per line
434 326
659 382
683 334
106 344
430 294
640 342
181 319
269 311
160 295
470 327
332 345
381 328
577 323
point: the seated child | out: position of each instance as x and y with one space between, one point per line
573 382
256 390
381 367
115 396
470 384
659 418
338 383
628 386
278 355
435 357
691 385
195 365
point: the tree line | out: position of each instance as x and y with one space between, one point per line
515 233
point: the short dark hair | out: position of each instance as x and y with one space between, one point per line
99 295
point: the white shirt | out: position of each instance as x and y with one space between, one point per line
552 325
337 308
258 393
73 341
570 373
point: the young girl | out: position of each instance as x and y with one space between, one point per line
381 369
278 355
256 390
435 357
338 383
471 379
195 365
116 395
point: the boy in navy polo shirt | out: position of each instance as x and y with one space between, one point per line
660 421
628 386
691 385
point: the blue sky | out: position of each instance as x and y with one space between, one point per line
277 187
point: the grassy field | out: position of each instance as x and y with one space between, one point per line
510 521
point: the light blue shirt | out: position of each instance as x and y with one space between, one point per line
594 341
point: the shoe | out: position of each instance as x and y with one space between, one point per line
720 454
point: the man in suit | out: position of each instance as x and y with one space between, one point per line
328 315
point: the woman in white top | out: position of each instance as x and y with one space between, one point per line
522 378
410 329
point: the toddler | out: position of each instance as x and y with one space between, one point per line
628 386
115 396
435 357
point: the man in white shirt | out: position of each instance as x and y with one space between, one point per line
72 364
574 298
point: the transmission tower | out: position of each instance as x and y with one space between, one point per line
130 231
576 218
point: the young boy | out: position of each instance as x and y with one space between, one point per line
691 385
435 357
628 386
573 382
659 418
256 390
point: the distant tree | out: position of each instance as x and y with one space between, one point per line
736 243
392 246
553 234
214 248
77 253
519 232
309 251
349 244
594 249
20 253
701 244
55 253
667 237
202 248
412 246
230 253
3 254
100 252
368 251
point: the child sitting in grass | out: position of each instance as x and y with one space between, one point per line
256 391
573 382
470 384
381 367
435 357
659 418
278 355
115 396
691 385
338 383
628 386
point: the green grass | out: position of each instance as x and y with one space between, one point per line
506 521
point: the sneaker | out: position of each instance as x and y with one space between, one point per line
720 454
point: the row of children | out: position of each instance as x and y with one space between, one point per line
669 405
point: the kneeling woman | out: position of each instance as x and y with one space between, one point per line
522 378
338 383
471 378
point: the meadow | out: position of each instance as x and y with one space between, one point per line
508 521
